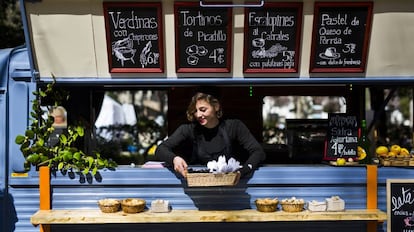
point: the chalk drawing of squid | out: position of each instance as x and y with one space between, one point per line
124 50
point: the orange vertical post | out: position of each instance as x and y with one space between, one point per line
372 186
372 181
44 192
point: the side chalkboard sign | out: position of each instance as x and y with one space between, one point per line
341 33
342 136
400 205
272 38
134 37
203 38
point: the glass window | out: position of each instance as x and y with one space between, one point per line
394 122
130 124
278 110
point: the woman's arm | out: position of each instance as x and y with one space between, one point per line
245 138
165 151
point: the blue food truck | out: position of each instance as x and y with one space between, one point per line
282 67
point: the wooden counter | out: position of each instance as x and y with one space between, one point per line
187 216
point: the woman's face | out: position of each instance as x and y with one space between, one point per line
206 114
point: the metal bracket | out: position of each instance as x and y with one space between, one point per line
260 4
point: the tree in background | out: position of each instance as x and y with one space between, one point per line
11 26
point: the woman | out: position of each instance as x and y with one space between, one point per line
211 137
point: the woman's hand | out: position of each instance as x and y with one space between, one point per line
180 165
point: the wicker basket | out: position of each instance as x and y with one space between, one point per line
266 205
109 205
133 205
212 179
292 207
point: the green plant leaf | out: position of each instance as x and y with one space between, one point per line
80 131
63 139
20 139
67 156
77 156
40 142
101 162
60 166
85 171
90 161
30 134
33 158
94 171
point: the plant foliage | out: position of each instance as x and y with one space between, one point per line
63 155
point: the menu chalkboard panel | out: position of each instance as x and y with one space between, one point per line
134 37
400 205
203 38
340 36
342 136
272 38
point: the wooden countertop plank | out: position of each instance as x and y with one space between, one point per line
187 216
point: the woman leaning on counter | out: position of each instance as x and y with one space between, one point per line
211 136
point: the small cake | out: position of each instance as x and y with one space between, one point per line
160 206
317 206
335 203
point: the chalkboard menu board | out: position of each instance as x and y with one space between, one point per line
400 205
340 36
134 37
272 38
342 136
203 38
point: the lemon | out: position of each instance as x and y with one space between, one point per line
361 153
404 152
340 161
381 151
396 149
391 154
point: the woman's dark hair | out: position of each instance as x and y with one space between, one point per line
212 100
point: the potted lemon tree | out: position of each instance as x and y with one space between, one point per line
61 154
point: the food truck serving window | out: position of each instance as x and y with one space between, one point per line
127 123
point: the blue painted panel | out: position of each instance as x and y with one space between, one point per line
20 96
151 184
24 202
4 58
12 61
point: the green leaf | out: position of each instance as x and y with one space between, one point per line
77 156
40 142
20 139
67 156
94 171
30 134
90 161
42 94
80 131
25 145
60 166
33 158
43 158
101 162
63 139
85 171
